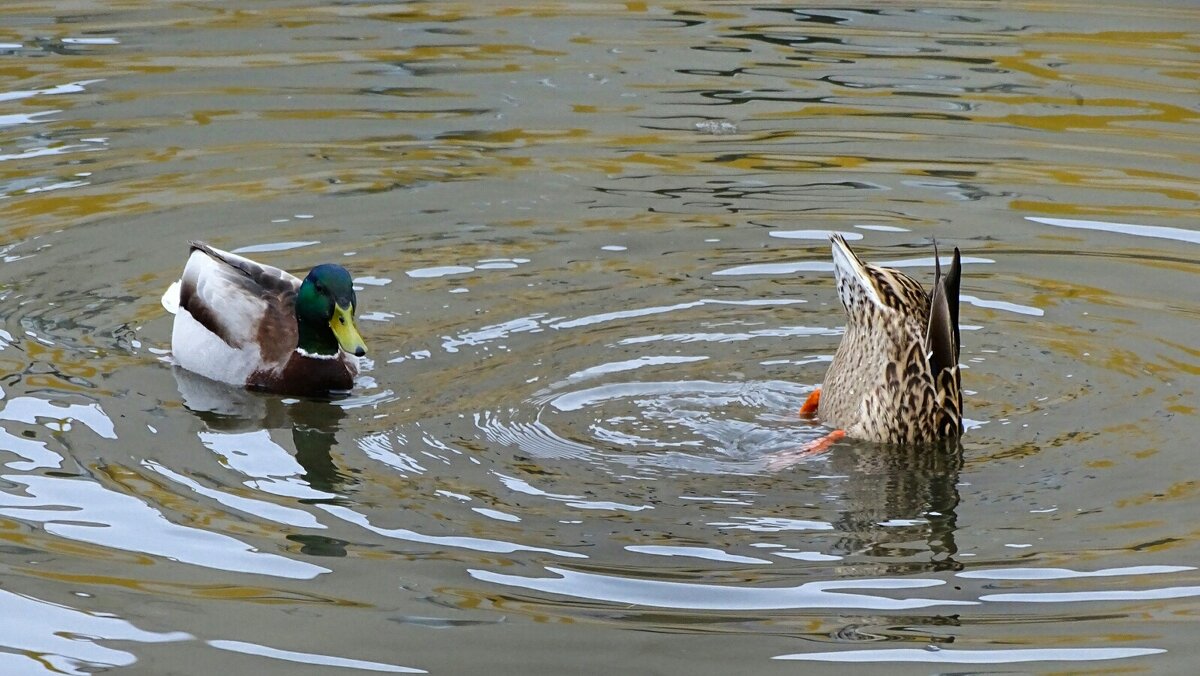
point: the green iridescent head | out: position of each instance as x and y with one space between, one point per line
325 307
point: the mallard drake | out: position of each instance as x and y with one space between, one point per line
895 377
249 324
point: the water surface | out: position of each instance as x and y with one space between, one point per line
591 246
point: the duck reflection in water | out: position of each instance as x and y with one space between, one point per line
897 498
231 413
889 500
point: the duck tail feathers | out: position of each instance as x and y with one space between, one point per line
941 338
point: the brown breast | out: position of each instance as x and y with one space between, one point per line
307 376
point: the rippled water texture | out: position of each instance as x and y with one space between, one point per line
591 246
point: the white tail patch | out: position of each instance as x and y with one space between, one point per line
170 297
851 273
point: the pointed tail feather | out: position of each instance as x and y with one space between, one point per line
941 338
952 280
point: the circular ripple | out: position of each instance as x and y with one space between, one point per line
697 425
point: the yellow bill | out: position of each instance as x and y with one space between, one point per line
343 327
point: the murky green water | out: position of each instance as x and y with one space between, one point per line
591 245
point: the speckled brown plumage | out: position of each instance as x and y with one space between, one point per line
895 376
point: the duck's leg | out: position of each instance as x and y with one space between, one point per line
810 405
819 445
785 459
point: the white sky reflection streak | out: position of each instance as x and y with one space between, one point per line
693 596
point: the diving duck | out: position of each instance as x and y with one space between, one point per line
894 378
249 324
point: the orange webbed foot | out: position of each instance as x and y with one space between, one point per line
818 446
809 408
821 445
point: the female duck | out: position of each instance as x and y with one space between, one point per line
244 323
894 378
